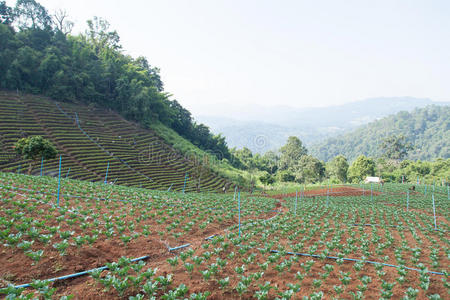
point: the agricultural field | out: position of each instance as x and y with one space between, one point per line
93 141
344 242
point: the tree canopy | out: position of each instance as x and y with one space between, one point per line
291 152
39 55
337 168
360 168
395 147
308 169
425 129
34 148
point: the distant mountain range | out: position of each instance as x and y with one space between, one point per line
426 129
262 128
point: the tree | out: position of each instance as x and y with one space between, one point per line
181 120
285 176
62 23
338 168
360 168
291 152
266 178
8 50
245 156
151 72
6 14
270 160
395 147
308 169
38 56
100 37
31 14
35 148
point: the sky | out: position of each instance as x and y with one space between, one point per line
290 53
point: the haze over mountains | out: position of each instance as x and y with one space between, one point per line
426 129
262 128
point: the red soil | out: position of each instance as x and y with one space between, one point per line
334 192
107 251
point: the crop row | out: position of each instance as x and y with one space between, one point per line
98 138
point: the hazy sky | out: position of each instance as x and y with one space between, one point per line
296 53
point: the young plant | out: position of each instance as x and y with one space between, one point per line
61 247
224 282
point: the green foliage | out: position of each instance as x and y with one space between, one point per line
428 171
39 55
245 158
285 176
30 14
291 152
395 147
6 13
266 178
308 169
360 168
270 162
43 58
426 129
35 147
337 168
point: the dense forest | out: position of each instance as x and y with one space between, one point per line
426 129
39 55
292 163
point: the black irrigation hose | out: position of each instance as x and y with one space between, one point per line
103 268
399 226
357 260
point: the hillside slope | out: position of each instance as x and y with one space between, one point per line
428 129
89 138
273 125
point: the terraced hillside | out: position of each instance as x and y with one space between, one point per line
88 139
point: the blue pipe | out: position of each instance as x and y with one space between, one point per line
371 192
272 251
97 198
179 247
356 260
105 267
239 207
42 164
59 179
53 194
211 237
296 199
78 274
407 200
106 176
185 178
434 212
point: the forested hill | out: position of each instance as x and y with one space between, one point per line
39 55
427 129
